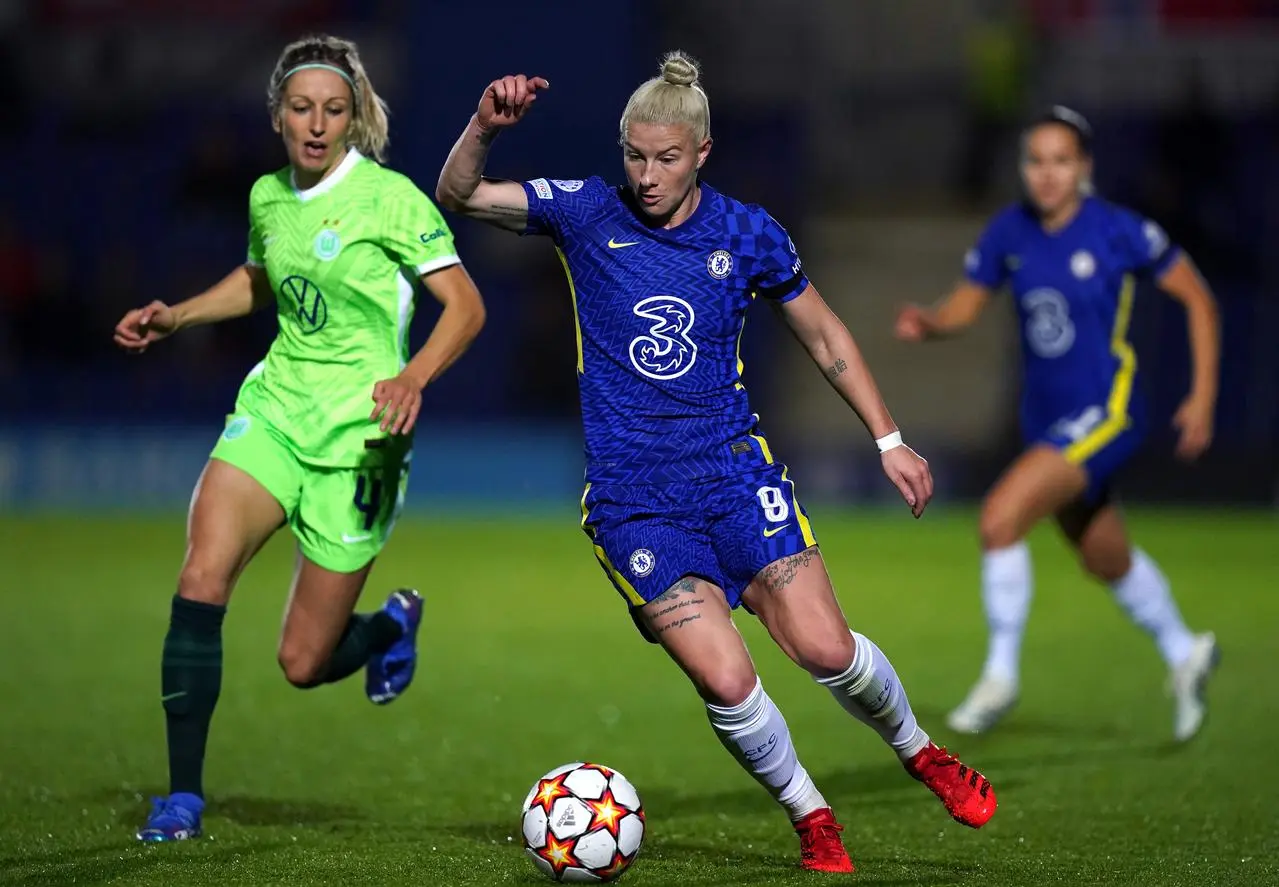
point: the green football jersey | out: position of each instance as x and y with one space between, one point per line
342 258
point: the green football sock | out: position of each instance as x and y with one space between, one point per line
190 681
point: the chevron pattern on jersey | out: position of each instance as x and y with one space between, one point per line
661 313
340 258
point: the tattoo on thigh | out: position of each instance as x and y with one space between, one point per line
782 573
677 606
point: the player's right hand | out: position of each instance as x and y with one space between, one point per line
911 325
507 99
142 326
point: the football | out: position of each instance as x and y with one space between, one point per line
582 823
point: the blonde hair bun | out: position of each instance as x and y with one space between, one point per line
679 69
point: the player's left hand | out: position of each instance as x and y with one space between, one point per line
397 402
909 472
1194 420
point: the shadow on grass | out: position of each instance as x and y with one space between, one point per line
132 806
1026 726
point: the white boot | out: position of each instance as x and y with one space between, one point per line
987 703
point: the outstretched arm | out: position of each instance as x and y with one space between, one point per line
954 314
834 350
243 291
462 186
1194 418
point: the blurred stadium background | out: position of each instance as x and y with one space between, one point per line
880 133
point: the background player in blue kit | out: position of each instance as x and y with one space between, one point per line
689 512
1071 260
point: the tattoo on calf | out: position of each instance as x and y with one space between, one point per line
782 573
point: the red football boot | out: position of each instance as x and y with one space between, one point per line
968 796
820 847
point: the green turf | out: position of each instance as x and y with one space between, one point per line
530 662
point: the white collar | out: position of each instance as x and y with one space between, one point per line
330 181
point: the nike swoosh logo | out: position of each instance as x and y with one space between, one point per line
773 531
613 244
351 540
168 696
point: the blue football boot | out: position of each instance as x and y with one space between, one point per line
389 674
175 818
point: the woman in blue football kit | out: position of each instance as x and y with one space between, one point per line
688 511
1071 260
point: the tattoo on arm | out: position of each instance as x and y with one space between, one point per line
782 573
833 372
672 607
498 209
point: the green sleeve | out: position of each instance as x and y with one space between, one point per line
414 231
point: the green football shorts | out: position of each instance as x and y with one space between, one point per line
342 517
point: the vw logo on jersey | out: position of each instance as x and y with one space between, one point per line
312 312
666 352
1049 330
720 264
642 562
327 244
1082 265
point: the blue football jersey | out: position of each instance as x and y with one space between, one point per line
660 314
1074 290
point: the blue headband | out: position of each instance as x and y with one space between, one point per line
321 66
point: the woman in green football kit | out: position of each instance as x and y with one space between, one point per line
321 434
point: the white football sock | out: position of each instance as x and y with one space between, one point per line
870 691
1145 596
755 733
1005 594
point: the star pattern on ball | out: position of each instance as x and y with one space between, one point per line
606 813
558 853
615 868
599 768
548 792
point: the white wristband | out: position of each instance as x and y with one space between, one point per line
889 441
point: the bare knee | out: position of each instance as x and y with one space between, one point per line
207 585
302 667
999 526
828 655
726 687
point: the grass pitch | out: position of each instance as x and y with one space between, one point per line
530 661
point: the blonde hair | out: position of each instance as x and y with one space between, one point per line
370 128
675 96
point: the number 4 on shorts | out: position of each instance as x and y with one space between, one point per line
368 498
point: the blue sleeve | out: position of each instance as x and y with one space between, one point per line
556 206
986 264
779 274
1144 247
